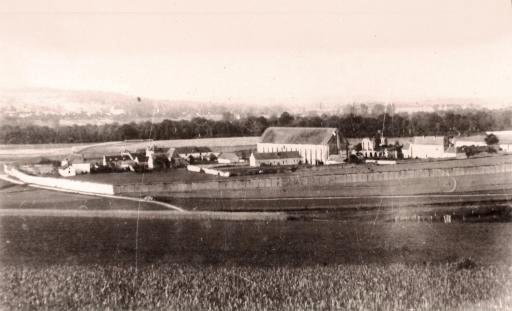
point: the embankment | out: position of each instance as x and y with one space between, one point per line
457 179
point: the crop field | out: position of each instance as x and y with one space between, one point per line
189 287
65 263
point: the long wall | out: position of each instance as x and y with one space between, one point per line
403 181
60 183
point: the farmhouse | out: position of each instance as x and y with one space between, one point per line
162 152
425 147
231 157
75 169
142 159
117 161
370 149
275 158
200 153
313 144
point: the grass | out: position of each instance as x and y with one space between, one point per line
23 197
93 263
60 240
188 287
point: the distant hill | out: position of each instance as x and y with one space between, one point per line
64 102
66 107
53 107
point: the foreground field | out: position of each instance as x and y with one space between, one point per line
185 287
111 263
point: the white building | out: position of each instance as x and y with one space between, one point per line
75 169
168 153
424 147
313 144
232 157
368 147
406 150
275 158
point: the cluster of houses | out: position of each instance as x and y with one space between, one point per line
432 147
150 158
296 145
290 146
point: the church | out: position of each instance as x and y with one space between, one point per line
314 144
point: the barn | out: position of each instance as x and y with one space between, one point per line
313 144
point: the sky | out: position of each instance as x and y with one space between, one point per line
261 52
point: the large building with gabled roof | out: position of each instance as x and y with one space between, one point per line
314 144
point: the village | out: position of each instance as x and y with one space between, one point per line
281 149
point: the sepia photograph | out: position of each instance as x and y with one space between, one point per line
255 155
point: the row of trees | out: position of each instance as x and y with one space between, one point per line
464 122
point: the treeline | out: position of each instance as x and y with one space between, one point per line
464 122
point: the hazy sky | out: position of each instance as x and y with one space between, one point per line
261 51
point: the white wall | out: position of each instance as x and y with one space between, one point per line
60 183
427 151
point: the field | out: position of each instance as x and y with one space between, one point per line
217 144
23 197
178 287
63 263
31 153
328 258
